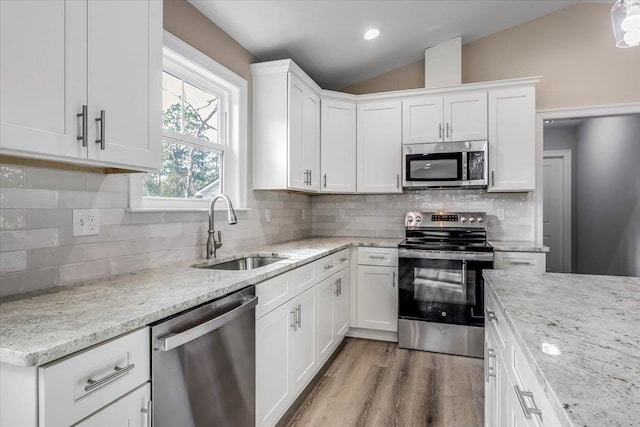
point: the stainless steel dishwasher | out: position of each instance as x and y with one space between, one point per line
203 364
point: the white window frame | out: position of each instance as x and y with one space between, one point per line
186 62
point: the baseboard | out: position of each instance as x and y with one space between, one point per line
372 334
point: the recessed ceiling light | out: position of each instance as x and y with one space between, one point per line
371 34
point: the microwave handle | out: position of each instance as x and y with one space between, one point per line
465 165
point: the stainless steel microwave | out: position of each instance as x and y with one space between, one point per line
445 164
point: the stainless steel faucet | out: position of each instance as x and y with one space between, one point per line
212 243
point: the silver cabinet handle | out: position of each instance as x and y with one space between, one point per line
521 263
397 180
310 180
337 291
328 267
343 259
84 115
147 411
117 373
325 180
172 341
491 315
340 285
294 314
100 119
376 257
447 130
489 371
493 178
394 279
528 410
299 309
439 130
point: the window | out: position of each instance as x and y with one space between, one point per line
204 127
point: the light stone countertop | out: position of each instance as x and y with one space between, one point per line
517 246
41 326
595 321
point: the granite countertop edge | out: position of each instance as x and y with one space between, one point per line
48 353
517 246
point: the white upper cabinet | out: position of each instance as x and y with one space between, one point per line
286 128
43 86
460 116
338 146
379 147
98 55
512 139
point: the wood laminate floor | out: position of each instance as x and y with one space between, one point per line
375 383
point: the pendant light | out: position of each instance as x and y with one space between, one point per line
625 17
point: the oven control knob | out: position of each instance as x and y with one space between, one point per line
472 219
409 218
479 219
443 314
463 219
418 218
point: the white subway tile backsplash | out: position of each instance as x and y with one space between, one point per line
29 280
28 198
71 273
13 261
15 240
107 183
55 179
84 200
12 176
13 219
130 263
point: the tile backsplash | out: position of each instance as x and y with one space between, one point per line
38 249
383 215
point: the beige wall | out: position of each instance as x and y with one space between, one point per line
573 49
187 23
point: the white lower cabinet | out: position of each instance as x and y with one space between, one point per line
295 339
377 298
513 395
133 410
533 262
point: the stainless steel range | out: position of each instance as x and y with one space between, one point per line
441 290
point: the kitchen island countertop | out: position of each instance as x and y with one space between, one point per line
595 322
39 327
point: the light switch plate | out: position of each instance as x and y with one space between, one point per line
86 222
267 214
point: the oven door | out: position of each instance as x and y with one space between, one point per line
436 289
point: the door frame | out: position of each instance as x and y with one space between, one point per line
567 225
566 113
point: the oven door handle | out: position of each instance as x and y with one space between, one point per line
445 255
464 273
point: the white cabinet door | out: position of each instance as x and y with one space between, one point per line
490 386
327 290
512 139
338 146
422 120
124 80
379 147
311 138
43 78
274 333
465 116
341 306
133 410
377 298
302 350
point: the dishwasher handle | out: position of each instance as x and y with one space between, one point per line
171 341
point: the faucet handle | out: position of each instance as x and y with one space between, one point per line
218 242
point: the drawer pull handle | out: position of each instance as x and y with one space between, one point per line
117 373
343 259
528 411
491 315
376 256
490 371
521 263
328 266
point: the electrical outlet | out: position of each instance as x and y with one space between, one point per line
267 214
341 213
501 214
86 222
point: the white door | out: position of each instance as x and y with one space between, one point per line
465 116
302 351
43 78
274 333
341 306
422 120
512 139
338 146
379 147
556 215
133 410
311 138
377 298
124 80
326 338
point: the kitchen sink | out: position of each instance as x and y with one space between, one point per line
246 263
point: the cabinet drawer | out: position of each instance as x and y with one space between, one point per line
332 263
303 278
273 292
342 258
520 261
378 256
133 410
79 385
495 321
